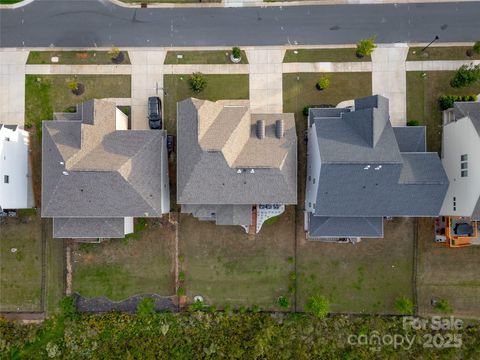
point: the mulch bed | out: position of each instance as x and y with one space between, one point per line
102 304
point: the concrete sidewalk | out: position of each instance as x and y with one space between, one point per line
78 69
12 87
389 79
438 65
365 66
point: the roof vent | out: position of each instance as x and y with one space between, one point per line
252 171
279 130
378 167
239 171
64 173
366 167
261 129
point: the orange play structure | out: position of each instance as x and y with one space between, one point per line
446 231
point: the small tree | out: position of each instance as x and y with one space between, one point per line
318 305
283 302
365 47
413 123
466 75
236 52
146 307
404 305
114 52
476 47
197 82
443 306
73 85
68 308
323 82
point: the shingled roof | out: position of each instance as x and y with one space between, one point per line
221 161
92 170
366 169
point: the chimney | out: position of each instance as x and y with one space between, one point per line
260 129
279 131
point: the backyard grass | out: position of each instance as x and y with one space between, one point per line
364 278
446 273
324 55
441 53
202 57
227 267
21 271
55 268
218 87
422 101
120 268
74 57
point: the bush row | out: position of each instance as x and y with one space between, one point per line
446 101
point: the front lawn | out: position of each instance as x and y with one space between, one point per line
423 92
202 57
21 264
364 278
74 57
227 266
441 53
218 87
324 55
446 273
121 268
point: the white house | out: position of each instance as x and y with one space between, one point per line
15 182
461 160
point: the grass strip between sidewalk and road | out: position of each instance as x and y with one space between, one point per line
324 55
202 57
74 58
441 53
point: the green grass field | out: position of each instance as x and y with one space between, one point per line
226 266
324 55
364 278
202 57
74 57
120 268
422 101
441 53
21 271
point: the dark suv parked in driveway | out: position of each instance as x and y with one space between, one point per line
154 112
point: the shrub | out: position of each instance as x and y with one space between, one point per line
114 52
404 306
236 52
283 302
181 291
465 76
68 308
197 82
256 308
469 52
323 83
198 305
181 276
413 123
476 47
443 306
146 307
365 47
318 305
446 101
73 85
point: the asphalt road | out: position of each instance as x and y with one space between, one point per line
79 23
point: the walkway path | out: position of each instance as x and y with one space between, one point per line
389 79
266 88
444 65
12 86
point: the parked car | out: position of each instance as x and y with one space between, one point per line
155 112
170 144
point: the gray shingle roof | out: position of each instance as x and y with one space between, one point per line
365 173
221 214
92 170
411 138
218 169
324 226
470 109
88 227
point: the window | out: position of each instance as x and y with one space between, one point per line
464 165
6 179
314 180
454 203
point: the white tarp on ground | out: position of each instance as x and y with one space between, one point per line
14 168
